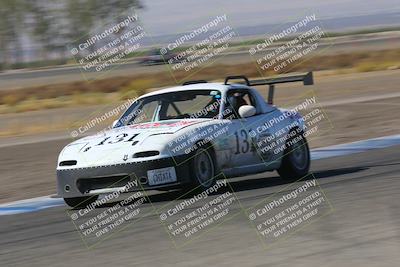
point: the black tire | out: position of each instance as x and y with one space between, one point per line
80 202
296 161
202 170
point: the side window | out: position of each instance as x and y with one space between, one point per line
235 99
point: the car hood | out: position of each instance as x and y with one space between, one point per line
118 145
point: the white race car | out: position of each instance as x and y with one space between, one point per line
184 137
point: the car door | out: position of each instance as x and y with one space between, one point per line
252 137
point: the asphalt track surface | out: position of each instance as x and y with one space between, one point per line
363 228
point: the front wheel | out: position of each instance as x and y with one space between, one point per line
296 161
80 202
202 170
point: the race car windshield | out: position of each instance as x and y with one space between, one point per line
189 104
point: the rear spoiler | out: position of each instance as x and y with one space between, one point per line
306 78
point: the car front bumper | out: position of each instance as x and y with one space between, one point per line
78 182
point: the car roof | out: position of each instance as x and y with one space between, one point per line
198 86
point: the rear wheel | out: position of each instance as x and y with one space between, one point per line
296 161
80 202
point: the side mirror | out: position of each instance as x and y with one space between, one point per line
114 123
246 111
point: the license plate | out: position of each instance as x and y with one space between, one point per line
161 176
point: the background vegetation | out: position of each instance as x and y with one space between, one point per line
51 25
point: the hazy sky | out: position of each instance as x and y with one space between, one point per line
171 16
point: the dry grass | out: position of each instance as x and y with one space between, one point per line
374 66
135 88
33 103
117 88
24 129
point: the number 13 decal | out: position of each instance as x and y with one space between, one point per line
243 145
